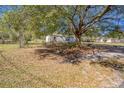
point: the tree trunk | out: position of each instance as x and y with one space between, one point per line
79 41
21 39
78 37
2 38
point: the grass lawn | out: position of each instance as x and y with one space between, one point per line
28 68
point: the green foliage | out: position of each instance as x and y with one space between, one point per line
116 33
93 32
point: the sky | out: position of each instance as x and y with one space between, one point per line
5 8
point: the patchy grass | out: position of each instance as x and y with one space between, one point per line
8 46
27 68
110 44
16 46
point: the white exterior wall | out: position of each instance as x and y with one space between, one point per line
109 40
59 39
56 39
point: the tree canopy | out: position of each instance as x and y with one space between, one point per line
35 21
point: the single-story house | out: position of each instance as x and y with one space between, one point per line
59 39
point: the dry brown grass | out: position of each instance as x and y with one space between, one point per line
25 68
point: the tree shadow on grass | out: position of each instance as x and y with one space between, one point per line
114 64
68 56
47 51
115 49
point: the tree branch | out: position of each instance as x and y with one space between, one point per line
99 16
96 18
